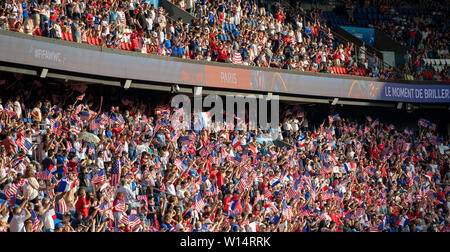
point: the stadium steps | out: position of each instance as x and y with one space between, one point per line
174 12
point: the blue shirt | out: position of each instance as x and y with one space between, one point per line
25 10
235 33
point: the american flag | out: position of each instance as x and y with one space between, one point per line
23 143
244 169
163 110
116 170
375 123
120 205
306 210
101 208
99 177
95 124
237 160
11 191
211 160
36 221
203 152
81 97
45 175
267 193
75 130
431 194
177 163
187 140
61 207
293 191
327 195
198 202
371 170
214 190
132 220
237 58
17 162
287 211
157 127
243 184
104 119
333 118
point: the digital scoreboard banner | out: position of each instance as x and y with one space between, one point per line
42 52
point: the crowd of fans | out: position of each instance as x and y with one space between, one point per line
425 34
145 174
240 32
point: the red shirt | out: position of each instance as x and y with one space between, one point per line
223 54
219 180
73 166
54 15
79 207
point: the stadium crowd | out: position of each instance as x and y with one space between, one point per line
144 174
424 33
241 32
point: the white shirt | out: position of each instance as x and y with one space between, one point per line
47 219
17 223
33 193
170 189
180 191
128 194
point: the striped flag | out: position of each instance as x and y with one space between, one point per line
101 208
115 172
267 193
75 130
36 221
287 212
81 97
99 177
17 162
327 195
11 191
198 202
61 207
120 205
237 58
44 175
333 118
132 220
